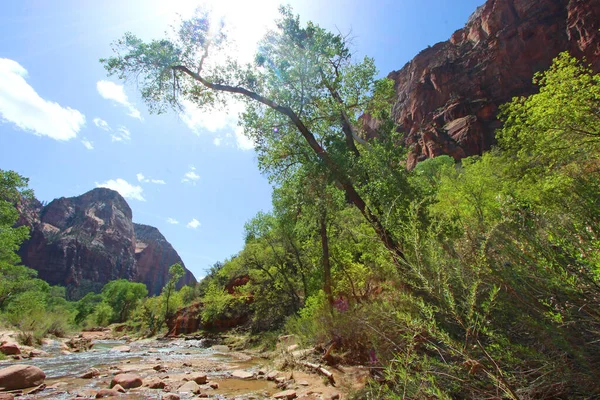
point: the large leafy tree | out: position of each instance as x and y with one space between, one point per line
13 189
304 95
123 296
14 278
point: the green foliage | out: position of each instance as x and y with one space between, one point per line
151 315
218 304
172 300
103 314
502 249
122 297
477 280
86 306
13 190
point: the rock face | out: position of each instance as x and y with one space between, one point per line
152 253
85 241
188 319
448 95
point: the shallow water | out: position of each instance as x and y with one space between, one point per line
66 368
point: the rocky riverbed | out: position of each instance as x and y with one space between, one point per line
170 369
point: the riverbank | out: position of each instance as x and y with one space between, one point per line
179 368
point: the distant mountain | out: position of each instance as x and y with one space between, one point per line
85 241
448 95
154 255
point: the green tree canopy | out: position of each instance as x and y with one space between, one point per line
304 94
122 296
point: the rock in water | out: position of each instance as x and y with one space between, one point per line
200 379
90 373
121 349
285 395
20 377
240 374
10 349
127 381
189 387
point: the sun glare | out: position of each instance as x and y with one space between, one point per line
245 22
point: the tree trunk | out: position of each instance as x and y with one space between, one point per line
339 175
326 260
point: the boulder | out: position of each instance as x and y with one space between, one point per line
189 387
38 353
10 349
170 396
21 376
241 374
127 381
155 383
121 349
272 375
90 373
200 379
286 394
119 388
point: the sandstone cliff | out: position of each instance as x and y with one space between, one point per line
85 241
154 255
448 95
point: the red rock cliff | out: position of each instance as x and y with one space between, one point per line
448 95
85 241
154 255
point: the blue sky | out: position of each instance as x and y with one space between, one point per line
69 128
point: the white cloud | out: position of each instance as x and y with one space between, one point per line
115 92
102 124
242 141
126 189
191 176
21 105
88 145
121 134
210 120
193 224
213 121
172 221
141 178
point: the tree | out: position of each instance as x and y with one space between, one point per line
13 190
122 296
176 271
14 279
303 94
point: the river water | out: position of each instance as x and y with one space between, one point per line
180 356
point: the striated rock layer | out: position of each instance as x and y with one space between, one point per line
85 241
448 95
